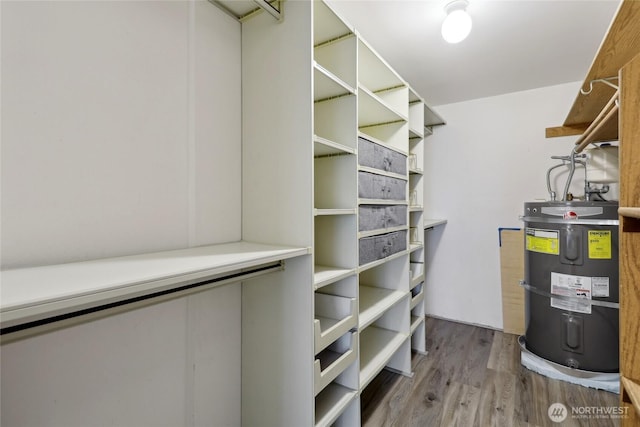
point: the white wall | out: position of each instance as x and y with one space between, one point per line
120 129
121 134
480 168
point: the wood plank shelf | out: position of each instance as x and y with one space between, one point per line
629 212
631 393
619 47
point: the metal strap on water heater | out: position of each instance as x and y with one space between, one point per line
599 303
570 221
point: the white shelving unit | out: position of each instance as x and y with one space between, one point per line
359 316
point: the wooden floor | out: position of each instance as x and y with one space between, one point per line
472 377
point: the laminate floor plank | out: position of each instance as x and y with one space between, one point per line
472 376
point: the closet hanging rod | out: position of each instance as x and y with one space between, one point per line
49 322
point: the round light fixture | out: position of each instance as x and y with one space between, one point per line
457 25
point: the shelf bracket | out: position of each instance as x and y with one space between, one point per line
606 81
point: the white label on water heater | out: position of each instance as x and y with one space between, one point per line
568 285
600 287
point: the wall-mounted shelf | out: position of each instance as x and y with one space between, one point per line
431 223
39 293
620 45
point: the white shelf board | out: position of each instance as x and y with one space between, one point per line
414 246
378 141
331 403
416 300
415 322
328 329
416 280
377 346
325 275
334 364
326 147
382 261
381 172
416 208
372 110
430 223
370 233
327 25
381 202
374 70
36 293
327 85
415 133
416 171
324 212
374 302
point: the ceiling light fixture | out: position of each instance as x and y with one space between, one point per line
457 25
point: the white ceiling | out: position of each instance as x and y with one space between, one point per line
514 44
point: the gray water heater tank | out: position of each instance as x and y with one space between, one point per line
571 283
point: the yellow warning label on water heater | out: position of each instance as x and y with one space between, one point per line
599 244
543 241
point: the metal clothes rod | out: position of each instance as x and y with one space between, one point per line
14 332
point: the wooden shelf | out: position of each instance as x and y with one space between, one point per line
630 393
603 128
629 212
37 293
620 45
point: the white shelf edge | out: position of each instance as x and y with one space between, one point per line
339 211
389 298
336 398
339 148
415 322
415 133
416 208
38 293
415 281
381 172
323 338
414 246
373 360
430 223
372 97
326 275
335 79
376 263
370 138
416 300
379 231
416 171
323 377
381 202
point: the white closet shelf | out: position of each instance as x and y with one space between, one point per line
327 85
335 316
415 322
324 212
331 363
414 246
373 110
370 233
378 141
374 302
416 208
416 171
415 281
382 172
39 293
377 346
430 223
327 25
415 133
326 147
381 202
416 299
325 275
381 261
331 402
